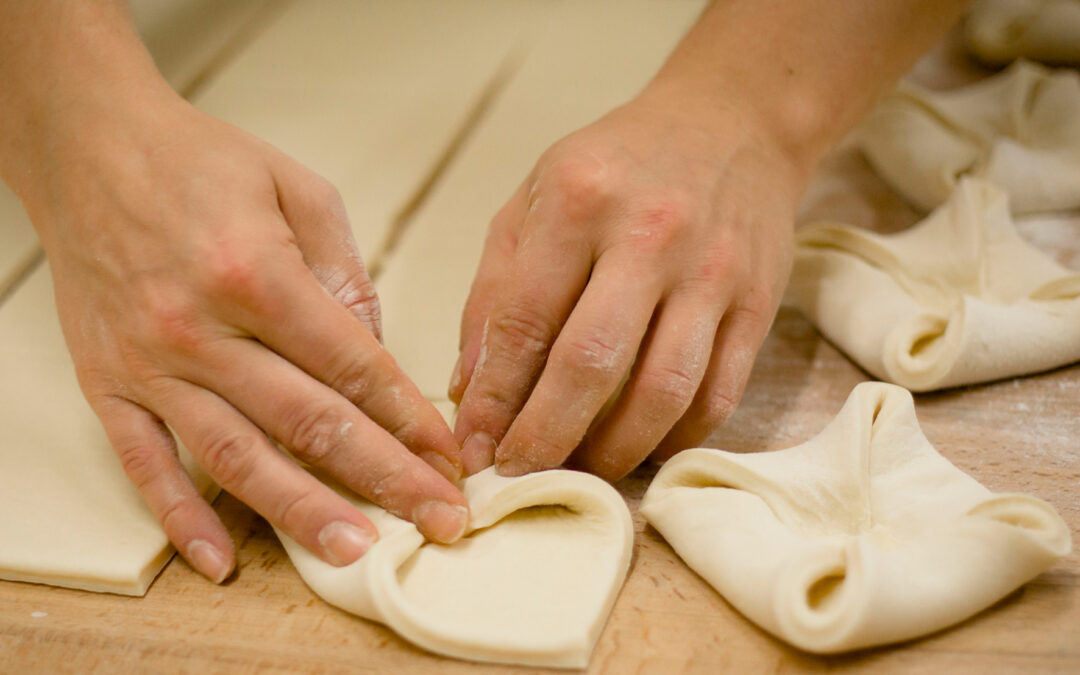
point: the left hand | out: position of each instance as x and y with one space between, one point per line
644 259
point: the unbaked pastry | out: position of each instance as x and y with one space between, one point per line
998 31
957 299
863 535
1019 130
531 583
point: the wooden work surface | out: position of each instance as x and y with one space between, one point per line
1016 435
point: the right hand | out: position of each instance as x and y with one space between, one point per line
207 282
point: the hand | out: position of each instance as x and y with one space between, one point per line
207 282
625 289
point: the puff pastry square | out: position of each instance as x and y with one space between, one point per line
863 535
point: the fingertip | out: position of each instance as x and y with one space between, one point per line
343 542
441 521
209 560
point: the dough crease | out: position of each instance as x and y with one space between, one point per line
532 582
1019 129
863 535
957 299
999 31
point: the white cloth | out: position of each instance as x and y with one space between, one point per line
1019 129
957 299
532 582
863 535
998 31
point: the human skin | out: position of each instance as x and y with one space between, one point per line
206 281
644 257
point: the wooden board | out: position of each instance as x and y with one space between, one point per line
1013 435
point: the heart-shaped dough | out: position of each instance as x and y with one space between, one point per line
1020 130
861 536
999 31
532 582
957 299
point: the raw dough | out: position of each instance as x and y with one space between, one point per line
68 514
998 31
863 535
533 582
1019 130
957 299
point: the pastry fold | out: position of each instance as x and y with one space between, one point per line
999 31
957 299
532 582
863 535
1020 130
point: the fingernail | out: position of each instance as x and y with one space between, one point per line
511 469
478 452
441 521
442 465
208 560
343 543
455 379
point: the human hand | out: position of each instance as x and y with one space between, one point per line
644 259
206 281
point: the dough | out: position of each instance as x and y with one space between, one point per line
369 94
1019 130
957 299
998 31
863 535
591 57
68 514
532 583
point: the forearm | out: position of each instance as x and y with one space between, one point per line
63 64
810 69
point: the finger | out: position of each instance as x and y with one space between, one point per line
148 454
587 363
668 372
241 459
323 429
738 339
549 271
288 312
314 211
494 268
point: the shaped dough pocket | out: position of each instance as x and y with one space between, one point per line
532 582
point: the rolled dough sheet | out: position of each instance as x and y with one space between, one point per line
184 37
863 535
999 31
1019 129
531 583
592 57
68 514
957 299
370 94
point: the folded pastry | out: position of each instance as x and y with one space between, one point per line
863 535
532 582
998 31
957 299
1019 129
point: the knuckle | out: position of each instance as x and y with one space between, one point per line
595 355
523 329
582 186
233 272
659 223
318 434
718 406
390 488
292 511
171 324
229 458
671 388
140 463
355 372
